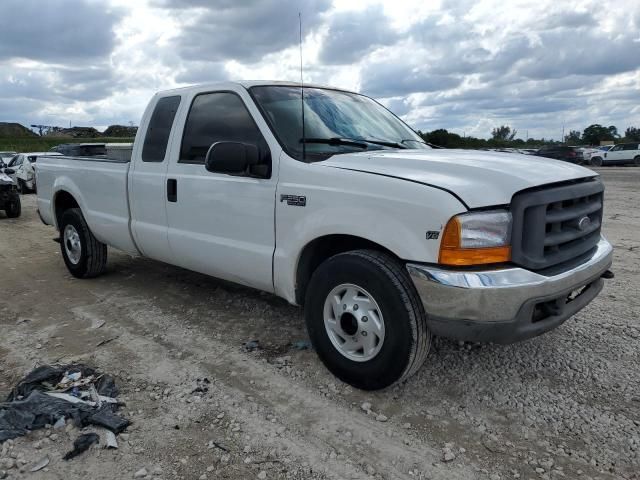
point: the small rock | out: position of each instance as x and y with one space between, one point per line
381 418
262 475
156 470
448 456
141 473
203 476
366 406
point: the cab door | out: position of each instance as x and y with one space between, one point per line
147 179
221 224
615 155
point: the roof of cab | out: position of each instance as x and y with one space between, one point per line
246 84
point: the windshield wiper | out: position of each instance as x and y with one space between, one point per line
356 142
334 141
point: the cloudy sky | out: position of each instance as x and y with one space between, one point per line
463 65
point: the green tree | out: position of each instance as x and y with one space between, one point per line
632 133
503 133
442 138
573 138
596 133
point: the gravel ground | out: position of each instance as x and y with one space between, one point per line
564 405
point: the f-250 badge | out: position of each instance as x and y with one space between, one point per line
294 200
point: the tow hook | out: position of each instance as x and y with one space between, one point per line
608 274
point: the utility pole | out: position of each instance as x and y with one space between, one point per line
563 140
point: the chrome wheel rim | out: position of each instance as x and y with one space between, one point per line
72 244
354 322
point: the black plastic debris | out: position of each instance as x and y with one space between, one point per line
49 393
301 345
252 345
82 444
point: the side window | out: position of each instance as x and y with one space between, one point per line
216 117
12 162
617 148
630 146
157 137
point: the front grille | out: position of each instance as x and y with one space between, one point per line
556 224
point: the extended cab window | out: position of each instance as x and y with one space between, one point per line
217 117
157 137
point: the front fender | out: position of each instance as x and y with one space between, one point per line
390 212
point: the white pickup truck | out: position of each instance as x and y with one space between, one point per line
383 240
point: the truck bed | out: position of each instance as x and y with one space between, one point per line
99 185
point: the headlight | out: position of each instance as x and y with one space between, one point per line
477 238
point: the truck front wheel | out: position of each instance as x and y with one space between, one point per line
83 254
365 319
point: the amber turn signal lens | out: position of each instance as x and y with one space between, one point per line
452 254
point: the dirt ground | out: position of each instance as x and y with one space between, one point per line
564 405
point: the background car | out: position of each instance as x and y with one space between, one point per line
21 169
561 152
9 198
620 154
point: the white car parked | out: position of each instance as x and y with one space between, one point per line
21 169
621 154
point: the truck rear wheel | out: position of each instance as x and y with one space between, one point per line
14 207
83 254
365 319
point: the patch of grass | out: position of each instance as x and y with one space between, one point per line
43 144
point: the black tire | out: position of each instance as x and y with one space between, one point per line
22 188
93 255
407 338
636 161
13 209
596 161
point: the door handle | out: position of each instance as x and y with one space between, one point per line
172 190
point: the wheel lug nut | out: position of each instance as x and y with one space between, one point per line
355 307
365 319
364 333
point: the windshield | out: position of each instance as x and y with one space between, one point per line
334 116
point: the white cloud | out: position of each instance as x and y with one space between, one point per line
466 66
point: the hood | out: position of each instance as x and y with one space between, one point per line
478 178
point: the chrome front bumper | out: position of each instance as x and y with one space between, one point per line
508 304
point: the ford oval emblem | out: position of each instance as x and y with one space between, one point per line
584 223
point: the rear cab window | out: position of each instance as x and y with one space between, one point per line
157 136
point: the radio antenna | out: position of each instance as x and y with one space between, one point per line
304 144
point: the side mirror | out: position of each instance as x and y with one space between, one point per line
235 158
9 171
230 157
